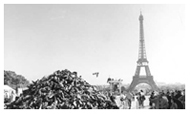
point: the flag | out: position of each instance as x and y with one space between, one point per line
96 73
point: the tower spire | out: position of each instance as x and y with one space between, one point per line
142 63
142 52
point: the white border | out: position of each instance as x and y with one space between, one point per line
94 2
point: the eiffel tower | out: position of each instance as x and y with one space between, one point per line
142 62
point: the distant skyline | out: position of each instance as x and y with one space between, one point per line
40 39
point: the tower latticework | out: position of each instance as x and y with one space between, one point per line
142 62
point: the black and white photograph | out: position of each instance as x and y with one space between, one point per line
95 56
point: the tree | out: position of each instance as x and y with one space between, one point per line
14 80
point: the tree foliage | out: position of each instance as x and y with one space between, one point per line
14 80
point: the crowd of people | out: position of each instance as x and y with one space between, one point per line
157 100
167 100
65 90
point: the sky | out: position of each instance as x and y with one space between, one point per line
40 39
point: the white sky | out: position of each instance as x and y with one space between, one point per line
40 39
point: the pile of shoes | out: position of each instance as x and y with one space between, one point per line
61 90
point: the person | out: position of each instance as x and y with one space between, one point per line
178 94
151 97
182 100
129 98
179 104
168 95
142 98
160 102
122 99
108 80
138 103
117 101
173 105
